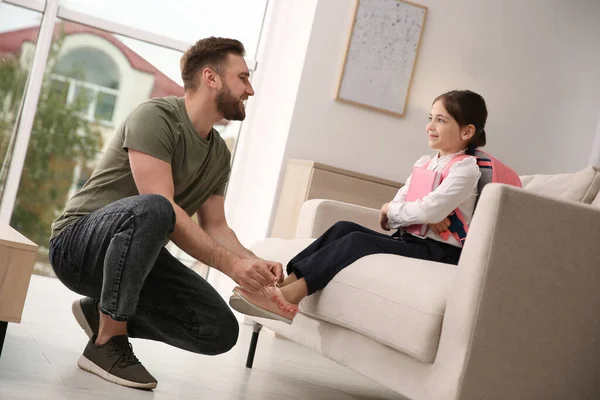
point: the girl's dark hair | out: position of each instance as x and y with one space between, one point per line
467 108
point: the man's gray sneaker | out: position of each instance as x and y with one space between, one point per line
115 362
86 313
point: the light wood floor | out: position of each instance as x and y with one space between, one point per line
40 355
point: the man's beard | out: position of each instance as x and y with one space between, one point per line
231 108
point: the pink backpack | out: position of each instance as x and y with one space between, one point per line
492 171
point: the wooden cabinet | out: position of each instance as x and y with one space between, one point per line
305 180
17 256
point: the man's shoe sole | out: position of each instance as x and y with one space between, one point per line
89 366
80 317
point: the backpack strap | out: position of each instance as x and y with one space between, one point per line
458 227
456 159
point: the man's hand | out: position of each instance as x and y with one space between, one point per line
383 218
255 274
276 269
440 226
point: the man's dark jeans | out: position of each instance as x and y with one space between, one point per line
116 255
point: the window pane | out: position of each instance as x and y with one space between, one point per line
59 90
229 131
105 106
83 95
66 138
18 34
188 21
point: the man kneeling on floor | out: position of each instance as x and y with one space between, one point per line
165 163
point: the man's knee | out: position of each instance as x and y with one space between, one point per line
157 205
229 332
226 331
157 211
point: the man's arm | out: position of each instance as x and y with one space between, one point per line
211 217
152 175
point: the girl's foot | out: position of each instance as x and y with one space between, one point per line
268 303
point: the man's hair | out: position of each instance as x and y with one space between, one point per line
210 52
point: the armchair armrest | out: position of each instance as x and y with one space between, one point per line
318 215
523 318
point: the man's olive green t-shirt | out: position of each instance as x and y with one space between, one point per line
161 128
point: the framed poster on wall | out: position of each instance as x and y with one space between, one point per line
381 55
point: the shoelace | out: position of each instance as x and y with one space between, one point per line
126 357
269 287
130 358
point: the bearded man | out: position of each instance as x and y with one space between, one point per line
165 163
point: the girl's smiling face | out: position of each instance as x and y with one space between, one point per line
443 132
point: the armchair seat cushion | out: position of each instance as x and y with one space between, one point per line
395 300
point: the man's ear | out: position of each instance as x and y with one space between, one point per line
210 77
468 132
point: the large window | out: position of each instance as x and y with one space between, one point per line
95 62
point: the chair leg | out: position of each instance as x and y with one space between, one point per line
256 327
3 327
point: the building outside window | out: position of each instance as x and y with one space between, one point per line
90 73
